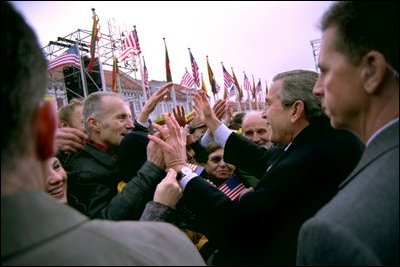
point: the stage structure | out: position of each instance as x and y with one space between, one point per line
70 82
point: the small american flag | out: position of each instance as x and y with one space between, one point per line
195 70
69 57
246 83
187 80
232 188
145 75
228 80
130 45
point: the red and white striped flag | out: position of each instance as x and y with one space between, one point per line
228 79
232 188
195 70
187 80
246 83
69 57
145 75
130 46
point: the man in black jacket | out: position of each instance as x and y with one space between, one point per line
93 173
298 177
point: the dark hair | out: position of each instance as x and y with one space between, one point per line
23 83
363 26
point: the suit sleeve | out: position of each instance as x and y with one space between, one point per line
325 243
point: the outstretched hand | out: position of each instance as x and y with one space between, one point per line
172 141
152 102
179 114
168 191
205 113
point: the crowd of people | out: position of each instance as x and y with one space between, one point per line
312 179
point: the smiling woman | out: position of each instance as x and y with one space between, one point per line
56 180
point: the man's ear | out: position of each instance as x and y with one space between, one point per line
46 126
94 124
374 68
297 110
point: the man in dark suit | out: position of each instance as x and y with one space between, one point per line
35 228
296 179
359 84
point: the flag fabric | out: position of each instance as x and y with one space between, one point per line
115 73
69 57
187 80
253 91
130 45
145 75
236 83
228 80
259 86
246 83
94 39
195 70
203 85
232 187
211 78
167 67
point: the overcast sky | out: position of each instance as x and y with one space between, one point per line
260 38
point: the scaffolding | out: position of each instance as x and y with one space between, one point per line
107 46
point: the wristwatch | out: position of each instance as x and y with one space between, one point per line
184 172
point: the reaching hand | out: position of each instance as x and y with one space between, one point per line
179 114
172 141
205 113
70 139
168 191
219 108
152 102
155 154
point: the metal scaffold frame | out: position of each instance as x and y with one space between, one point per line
107 46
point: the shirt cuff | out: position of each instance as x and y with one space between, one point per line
205 139
186 179
221 134
144 124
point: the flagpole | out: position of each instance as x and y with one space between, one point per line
141 74
248 93
173 86
256 93
85 92
140 99
103 80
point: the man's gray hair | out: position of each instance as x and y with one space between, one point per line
93 107
299 85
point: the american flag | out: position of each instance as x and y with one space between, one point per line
246 83
145 75
232 188
130 45
69 57
187 80
259 86
228 80
195 70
